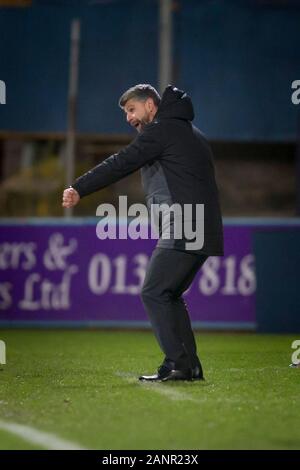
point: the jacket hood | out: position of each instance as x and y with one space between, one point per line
175 104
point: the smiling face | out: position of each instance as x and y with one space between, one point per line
139 113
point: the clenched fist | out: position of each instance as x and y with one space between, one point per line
70 197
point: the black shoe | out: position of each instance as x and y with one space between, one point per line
164 374
197 370
197 373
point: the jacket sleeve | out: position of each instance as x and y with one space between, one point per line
145 148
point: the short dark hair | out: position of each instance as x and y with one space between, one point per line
140 92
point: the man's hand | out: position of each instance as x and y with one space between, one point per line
70 197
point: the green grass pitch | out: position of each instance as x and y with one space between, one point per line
82 387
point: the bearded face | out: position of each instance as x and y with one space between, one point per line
139 113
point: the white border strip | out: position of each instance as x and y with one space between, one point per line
40 438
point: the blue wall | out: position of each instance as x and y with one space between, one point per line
118 49
236 59
238 62
278 294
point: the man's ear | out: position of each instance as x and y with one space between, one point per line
149 104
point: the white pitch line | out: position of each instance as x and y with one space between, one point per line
257 369
162 389
41 438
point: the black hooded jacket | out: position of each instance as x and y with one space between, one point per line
176 166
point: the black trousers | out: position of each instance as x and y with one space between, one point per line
169 274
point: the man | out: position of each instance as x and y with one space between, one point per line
177 167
